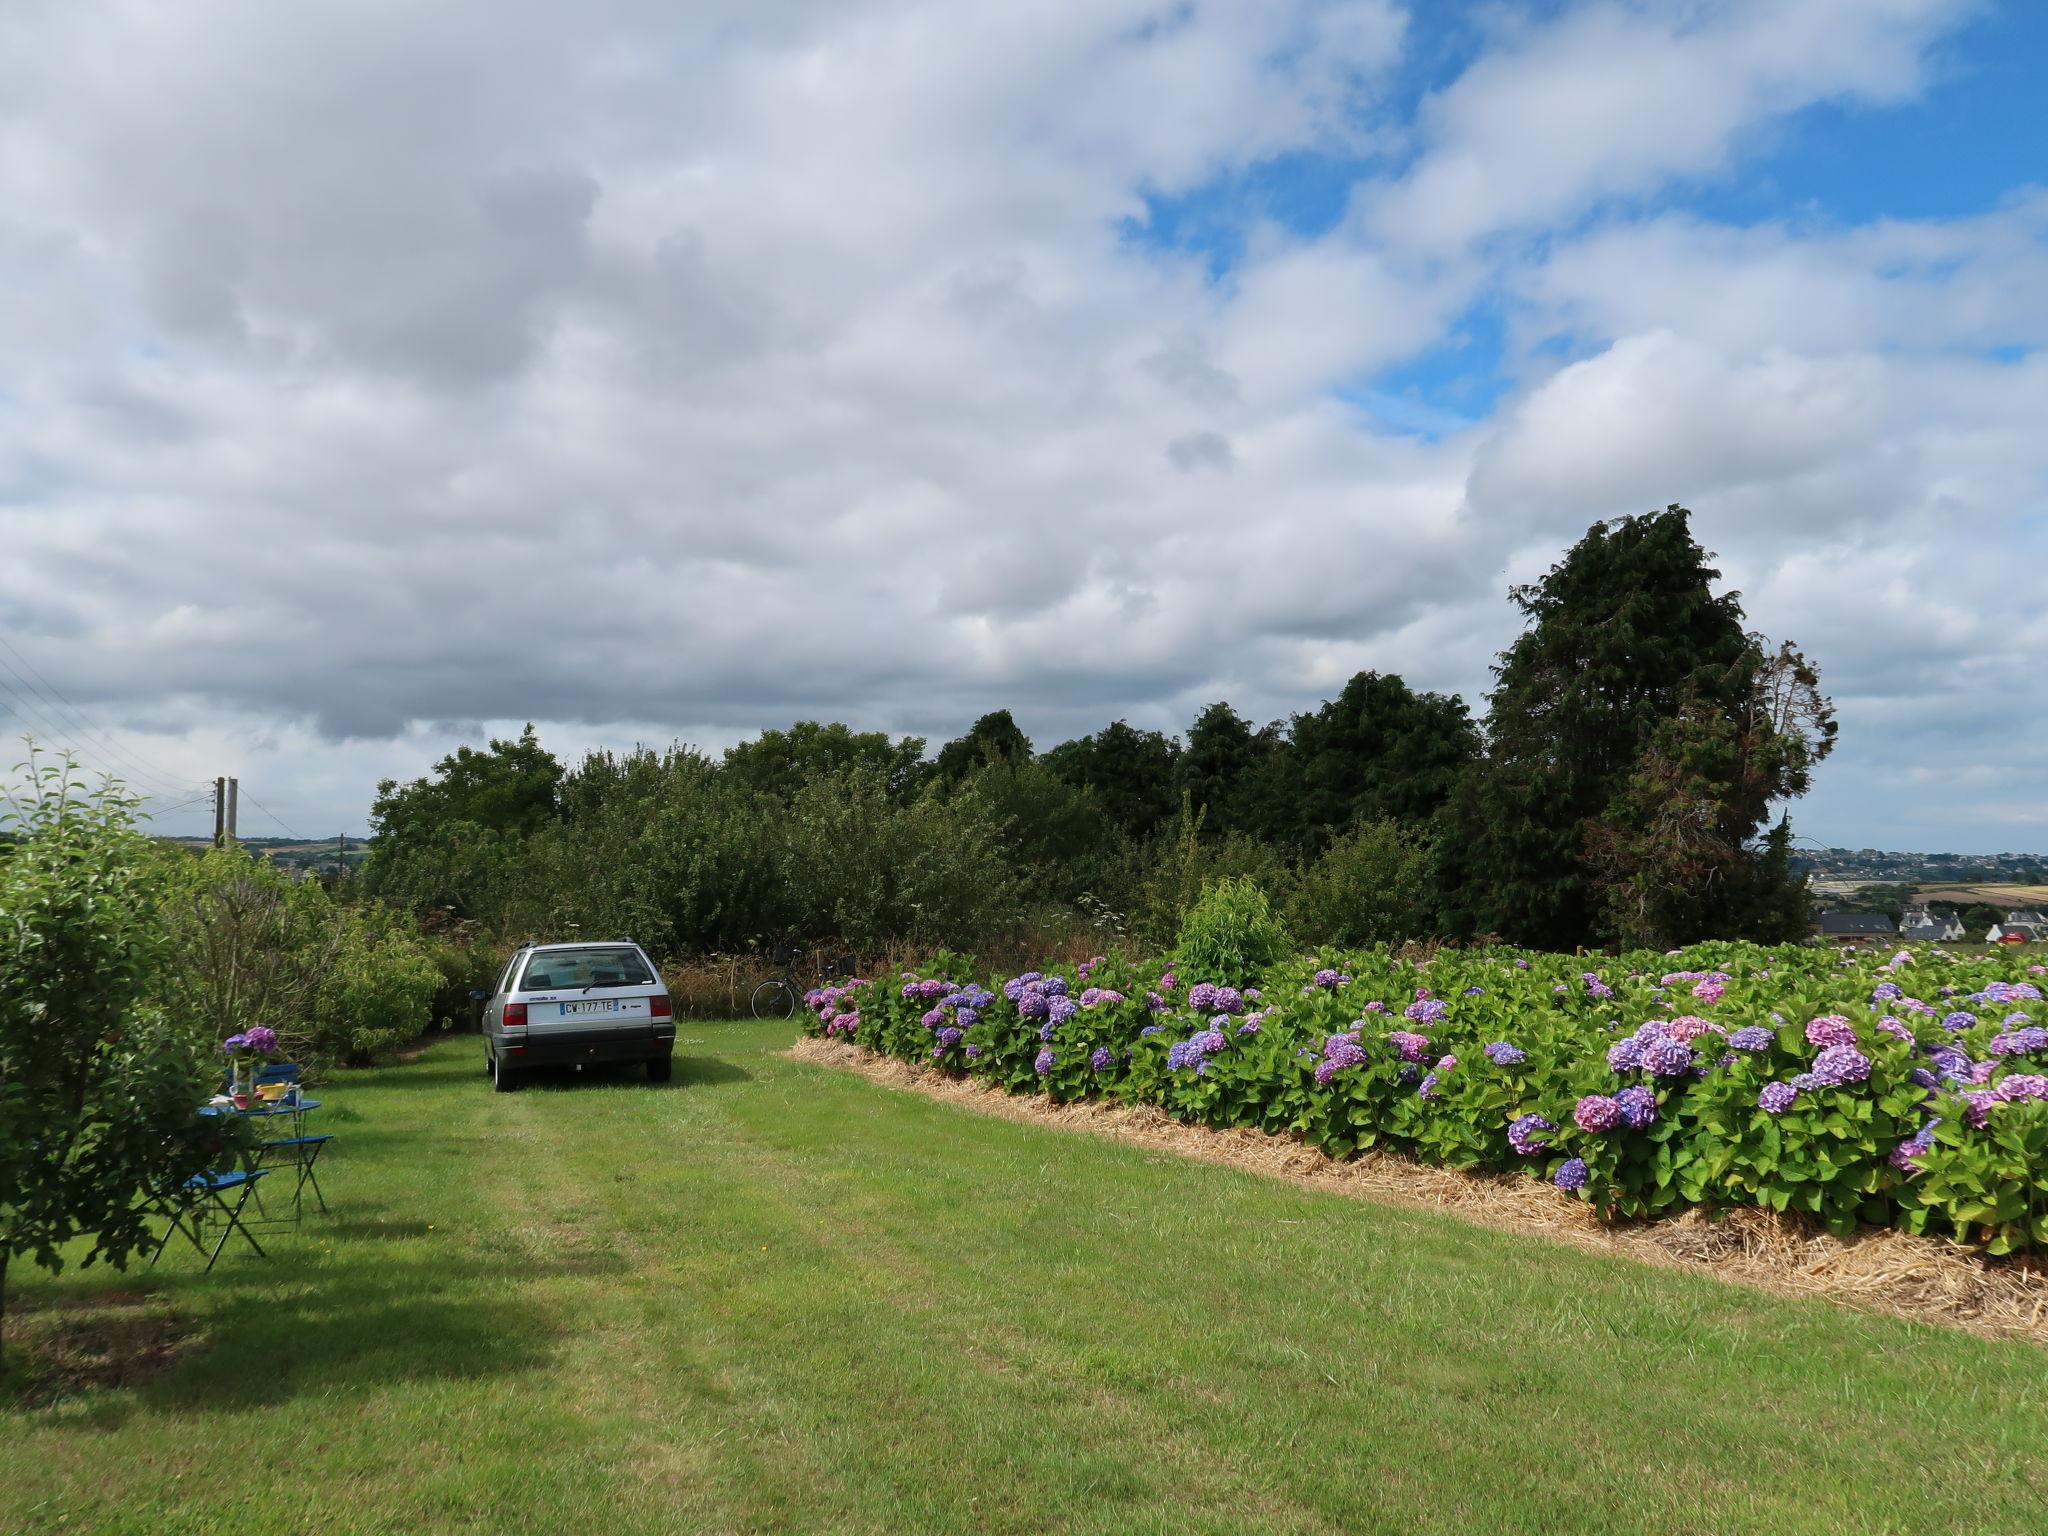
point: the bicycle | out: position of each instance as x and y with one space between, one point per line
779 996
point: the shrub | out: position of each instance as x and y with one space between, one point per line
98 1089
1910 1091
1231 934
1371 886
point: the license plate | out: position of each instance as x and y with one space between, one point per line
604 1005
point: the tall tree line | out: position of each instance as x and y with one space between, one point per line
1621 787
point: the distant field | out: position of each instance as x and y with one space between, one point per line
2034 896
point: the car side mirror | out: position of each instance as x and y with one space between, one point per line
476 996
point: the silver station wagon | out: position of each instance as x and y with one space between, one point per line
563 1004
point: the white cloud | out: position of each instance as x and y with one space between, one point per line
371 377
1614 99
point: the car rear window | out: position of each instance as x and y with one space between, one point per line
597 966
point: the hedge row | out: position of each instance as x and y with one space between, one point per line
1905 1090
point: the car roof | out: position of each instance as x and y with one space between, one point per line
586 944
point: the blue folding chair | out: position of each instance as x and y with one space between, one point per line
213 1190
299 1153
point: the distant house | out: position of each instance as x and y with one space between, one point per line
2019 928
1855 927
1930 927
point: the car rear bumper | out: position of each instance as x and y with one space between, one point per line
635 1044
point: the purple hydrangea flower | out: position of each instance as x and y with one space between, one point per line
1154 1003
1325 1070
967 1015
1250 1026
1595 987
1045 1031
1752 1037
1056 985
1596 1112
1091 997
1100 1058
1034 1003
1776 1098
1151 1029
1638 1106
1958 1020
1343 1051
1571 1174
1202 997
1893 1027
1502 1054
1324 978
1426 1010
1043 1064
1061 1009
1428 1088
933 1018
1830 1029
950 1035
1840 1064
1228 1000
1667 1058
1014 987
1410 1045
1625 1055
975 1051
2013 1042
1526 1134
2023 1085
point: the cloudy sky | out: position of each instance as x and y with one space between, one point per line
374 375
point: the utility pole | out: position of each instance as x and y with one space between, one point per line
340 855
220 811
234 797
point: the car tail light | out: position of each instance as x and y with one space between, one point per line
515 1016
660 1008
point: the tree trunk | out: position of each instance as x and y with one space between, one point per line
5 1254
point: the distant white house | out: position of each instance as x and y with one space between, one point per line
2019 928
1930 927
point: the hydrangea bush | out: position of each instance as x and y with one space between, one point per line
1908 1090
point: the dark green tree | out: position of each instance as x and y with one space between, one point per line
995 737
779 763
1379 751
1131 773
1226 770
1636 739
511 787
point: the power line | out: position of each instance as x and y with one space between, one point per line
68 710
266 810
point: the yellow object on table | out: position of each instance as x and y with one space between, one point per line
270 1092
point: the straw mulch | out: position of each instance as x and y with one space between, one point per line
1878 1270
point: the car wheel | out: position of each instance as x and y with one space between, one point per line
503 1078
660 1069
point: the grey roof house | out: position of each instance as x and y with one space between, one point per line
1930 927
1854 927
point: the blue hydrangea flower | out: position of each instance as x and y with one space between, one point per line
1100 1058
1502 1054
1751 1037
1571 1174
1638 1106
1043 1064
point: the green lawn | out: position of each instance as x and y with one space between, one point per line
773 1297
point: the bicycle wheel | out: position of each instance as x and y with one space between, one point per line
774 1000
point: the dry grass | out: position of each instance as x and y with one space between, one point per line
1879 1270
111 1339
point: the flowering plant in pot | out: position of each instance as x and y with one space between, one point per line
244 1051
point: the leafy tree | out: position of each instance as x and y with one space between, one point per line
1220 768
780 763
511 788
1378 751
1623 634
995 737
1370 886
1131 773
98 1091
1636 741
